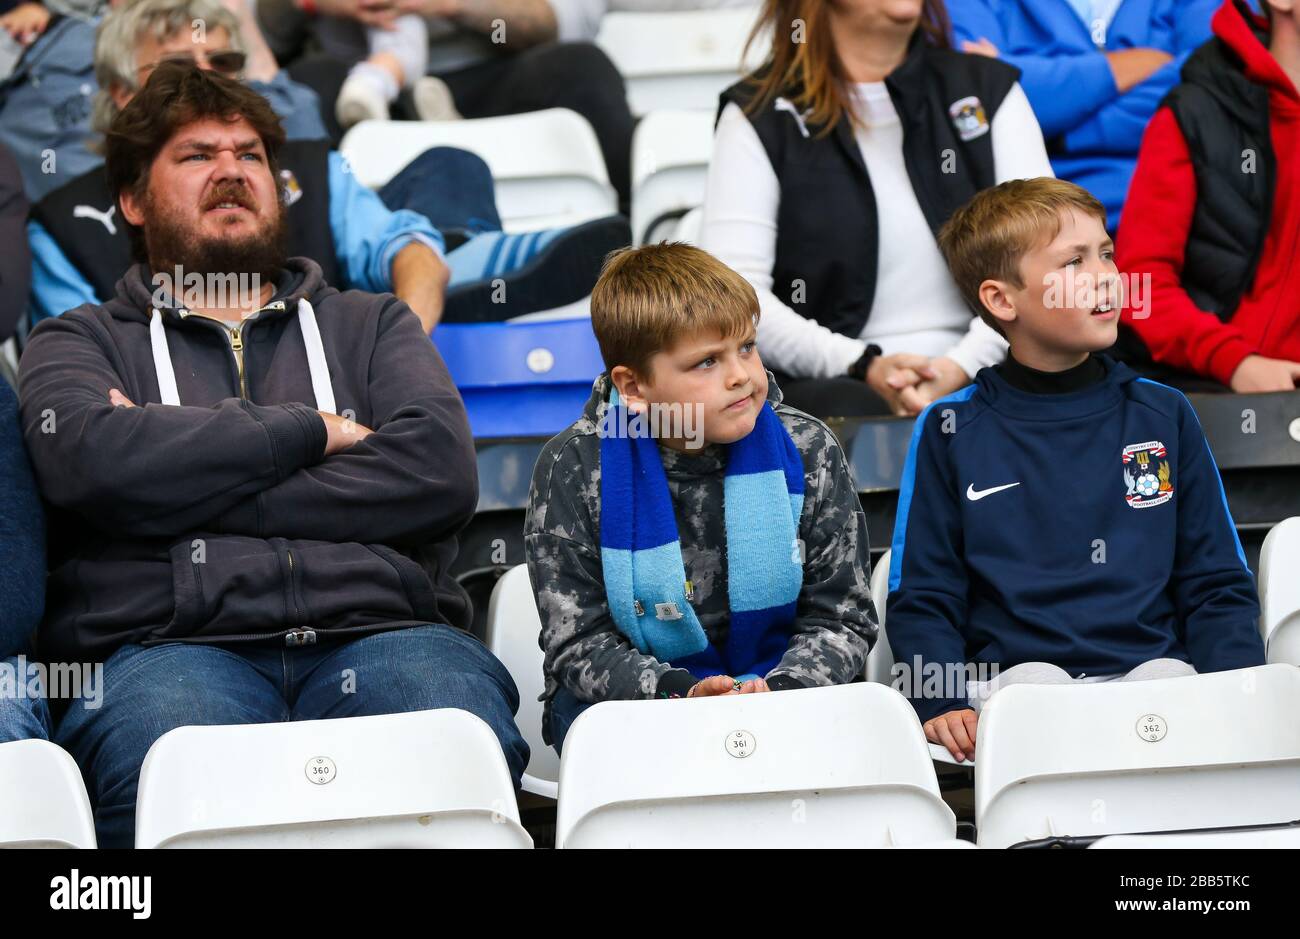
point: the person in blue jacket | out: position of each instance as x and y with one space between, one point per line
1060 520
1094 70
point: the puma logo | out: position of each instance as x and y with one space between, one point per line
89 211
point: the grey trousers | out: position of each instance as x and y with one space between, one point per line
1042 673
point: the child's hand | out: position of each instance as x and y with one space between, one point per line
753 686
956 731
712 686
26 22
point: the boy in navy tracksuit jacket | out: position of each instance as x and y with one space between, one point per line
1060 519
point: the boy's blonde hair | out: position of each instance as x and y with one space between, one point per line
988 237
648 298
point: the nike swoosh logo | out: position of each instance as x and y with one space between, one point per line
975 495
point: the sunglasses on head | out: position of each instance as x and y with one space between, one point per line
228 62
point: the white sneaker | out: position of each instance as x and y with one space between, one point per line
360 100
433 100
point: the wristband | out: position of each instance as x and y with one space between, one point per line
858 370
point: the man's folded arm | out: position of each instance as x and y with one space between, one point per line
412 481
153 470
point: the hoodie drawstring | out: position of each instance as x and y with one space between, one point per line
321 386
162 360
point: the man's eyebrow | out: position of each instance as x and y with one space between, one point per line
207 146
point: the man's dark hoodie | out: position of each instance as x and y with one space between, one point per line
221 519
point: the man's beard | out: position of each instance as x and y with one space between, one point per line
172 241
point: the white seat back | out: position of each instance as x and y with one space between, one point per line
1175 754
818 767
880 660
513 628
1279 592
547 165
430 779
670 165
679 59
43 802
689 228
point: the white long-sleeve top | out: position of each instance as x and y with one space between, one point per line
917 307
578 20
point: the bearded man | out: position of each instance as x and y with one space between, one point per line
256 480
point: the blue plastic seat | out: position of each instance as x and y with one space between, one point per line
525 379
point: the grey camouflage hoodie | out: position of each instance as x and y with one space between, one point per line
585 652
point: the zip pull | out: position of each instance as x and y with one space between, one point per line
237 347
300 637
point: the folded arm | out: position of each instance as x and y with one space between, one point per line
413 480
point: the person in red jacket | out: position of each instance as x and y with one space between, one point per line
1213 213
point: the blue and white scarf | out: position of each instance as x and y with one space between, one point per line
645 578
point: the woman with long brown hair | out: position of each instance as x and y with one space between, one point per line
834 166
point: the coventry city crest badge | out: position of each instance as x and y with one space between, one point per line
1146 474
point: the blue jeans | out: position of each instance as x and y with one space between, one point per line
565 709
148 691
22 717
452 188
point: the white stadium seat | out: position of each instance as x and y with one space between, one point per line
424 779
689 228
513 630
843 766
43 801
670 164
1284 837
1279 592
679 59
1175 754
880 660
547 165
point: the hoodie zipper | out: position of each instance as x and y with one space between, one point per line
237 347
235 334
293 590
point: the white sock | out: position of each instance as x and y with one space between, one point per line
377 77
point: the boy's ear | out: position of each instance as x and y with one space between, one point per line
629 388
996 297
